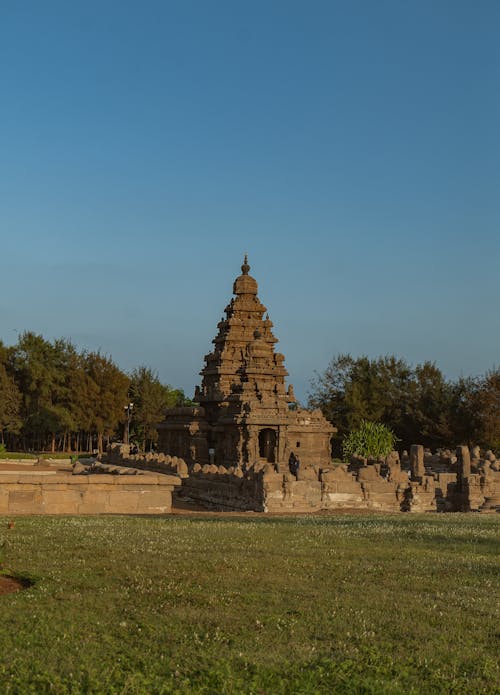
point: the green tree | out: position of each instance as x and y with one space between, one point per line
431 407
150 398
35 365
110 395
488 409
414 402
10 399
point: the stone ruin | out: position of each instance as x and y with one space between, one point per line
418 482
232 448
245 417
119 460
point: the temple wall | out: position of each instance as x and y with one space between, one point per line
269 491
378 487
119 455
224 490
85 494
313 447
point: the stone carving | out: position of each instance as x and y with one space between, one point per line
463 462
243 414
238 439
417 467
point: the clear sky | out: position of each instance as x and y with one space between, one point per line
351 148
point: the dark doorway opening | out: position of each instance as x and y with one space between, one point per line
267 444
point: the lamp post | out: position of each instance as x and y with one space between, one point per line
128 411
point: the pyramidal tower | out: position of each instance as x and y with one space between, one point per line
245 416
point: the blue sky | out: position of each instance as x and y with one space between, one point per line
351 148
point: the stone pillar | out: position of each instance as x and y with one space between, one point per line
417 467
281 443
463 461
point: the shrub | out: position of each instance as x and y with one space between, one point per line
370 440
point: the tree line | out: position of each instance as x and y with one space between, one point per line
418 403
54 397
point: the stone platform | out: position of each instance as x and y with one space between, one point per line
55 490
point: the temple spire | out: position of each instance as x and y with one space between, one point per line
245 268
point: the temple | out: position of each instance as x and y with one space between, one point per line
232 449
245 416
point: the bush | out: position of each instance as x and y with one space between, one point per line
2 449
370 440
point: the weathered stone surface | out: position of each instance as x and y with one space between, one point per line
368 473
417 466
86 494
79 469
62 502
463 461
243 417
4 501
25 501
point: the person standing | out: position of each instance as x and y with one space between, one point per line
293 464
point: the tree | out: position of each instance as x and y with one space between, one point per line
52 395
488 409
431 407
110 394
352 390
150 398
10 399
38 377
414 402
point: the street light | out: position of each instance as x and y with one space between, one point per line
128 410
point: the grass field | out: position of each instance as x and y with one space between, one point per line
338 604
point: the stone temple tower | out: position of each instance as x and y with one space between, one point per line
245 415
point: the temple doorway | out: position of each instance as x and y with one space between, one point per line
267 445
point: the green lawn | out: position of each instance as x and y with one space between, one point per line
339 604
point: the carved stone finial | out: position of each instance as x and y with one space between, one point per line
245 268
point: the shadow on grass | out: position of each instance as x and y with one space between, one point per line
12 582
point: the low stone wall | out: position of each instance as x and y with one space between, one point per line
224 489
64 493
119 455
269 490
383 486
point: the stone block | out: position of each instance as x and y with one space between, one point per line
61 502
463 461
154 501
60 487
4 501
11 478
338 474
122 502
369 473
25 501
93 502
338 500
417 466
306 474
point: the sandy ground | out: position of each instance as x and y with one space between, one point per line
8 585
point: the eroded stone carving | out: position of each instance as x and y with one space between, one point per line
246 415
